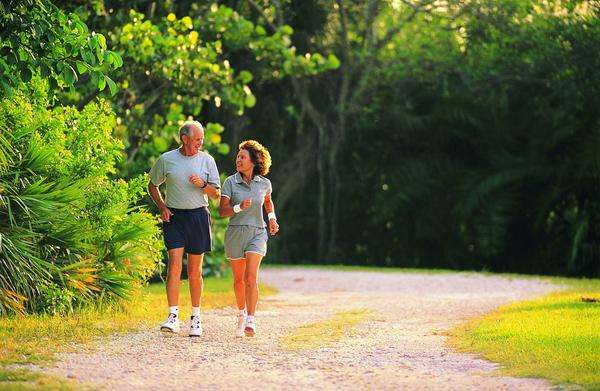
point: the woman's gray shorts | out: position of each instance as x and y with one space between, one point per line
240 239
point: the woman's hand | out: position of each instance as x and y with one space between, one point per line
246 203
273 226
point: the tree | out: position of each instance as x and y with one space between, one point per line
37 38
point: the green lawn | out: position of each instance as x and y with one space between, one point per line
555 337
33 339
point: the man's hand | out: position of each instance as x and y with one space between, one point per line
197 181
273 226
165 214
246 203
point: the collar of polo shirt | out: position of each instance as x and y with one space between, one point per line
238 178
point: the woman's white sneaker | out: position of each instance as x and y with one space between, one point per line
241 324
171 325
250 329
195 326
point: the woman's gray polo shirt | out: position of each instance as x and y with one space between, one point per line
237 191
174 169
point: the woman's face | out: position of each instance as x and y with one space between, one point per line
243 163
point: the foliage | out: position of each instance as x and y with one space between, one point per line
187 61
472 141
69 235
37 38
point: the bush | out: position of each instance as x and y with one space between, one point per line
69 235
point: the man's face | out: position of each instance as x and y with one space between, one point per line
194 142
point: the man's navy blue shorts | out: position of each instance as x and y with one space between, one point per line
190 229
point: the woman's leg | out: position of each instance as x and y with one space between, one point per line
251 280
238 267
195 277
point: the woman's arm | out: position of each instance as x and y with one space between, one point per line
270 209
225 208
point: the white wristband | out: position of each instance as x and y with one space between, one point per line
271 215
237 208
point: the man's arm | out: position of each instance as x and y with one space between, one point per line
211 190
165 213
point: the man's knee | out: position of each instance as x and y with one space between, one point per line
194 273
174 268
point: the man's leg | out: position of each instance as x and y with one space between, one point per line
174 275
195 278
173 284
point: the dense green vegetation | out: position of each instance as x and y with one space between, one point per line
411 133
453 135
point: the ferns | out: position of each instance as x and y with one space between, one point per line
67 238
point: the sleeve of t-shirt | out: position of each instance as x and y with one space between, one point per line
269 187
157 172
213 174
227 188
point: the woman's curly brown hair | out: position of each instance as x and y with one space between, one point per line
260 156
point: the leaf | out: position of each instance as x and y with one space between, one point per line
82 67
101 40
245 77
26 74
287 30
102 83
223 149
250 100
333 61
111 85
69 75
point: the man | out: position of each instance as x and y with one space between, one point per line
191 177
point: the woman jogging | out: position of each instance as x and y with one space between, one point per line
242 198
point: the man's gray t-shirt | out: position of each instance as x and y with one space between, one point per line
237 191
174 169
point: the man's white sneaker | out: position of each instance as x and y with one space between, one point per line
195 326
171 325
241 324
250 328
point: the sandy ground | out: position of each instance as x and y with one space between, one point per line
399 346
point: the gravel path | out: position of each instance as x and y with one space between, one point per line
399 347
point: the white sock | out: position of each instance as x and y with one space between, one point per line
242 312
174 310
195 311
250 318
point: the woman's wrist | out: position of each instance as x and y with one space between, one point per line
237 208
271 216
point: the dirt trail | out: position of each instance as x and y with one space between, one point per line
399 346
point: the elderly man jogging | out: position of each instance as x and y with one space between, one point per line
191 177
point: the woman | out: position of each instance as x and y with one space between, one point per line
243 196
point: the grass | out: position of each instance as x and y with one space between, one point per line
33 339
324 332
556 337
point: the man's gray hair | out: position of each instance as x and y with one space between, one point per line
188 128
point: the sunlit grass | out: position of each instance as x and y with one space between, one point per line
35 338
556 337
325 332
